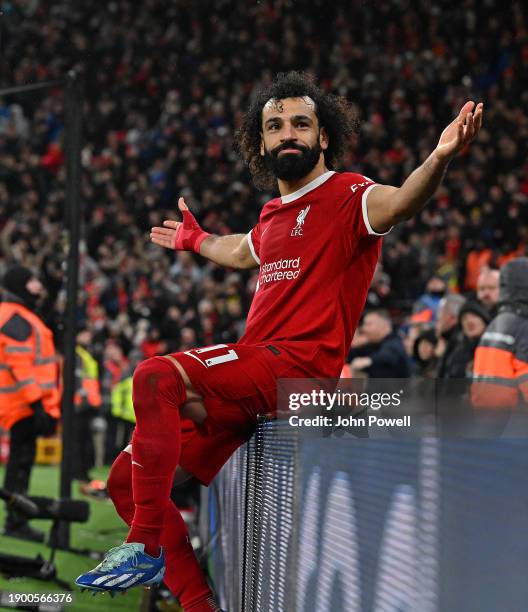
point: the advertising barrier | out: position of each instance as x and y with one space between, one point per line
331 524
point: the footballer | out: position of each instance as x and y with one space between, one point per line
316 246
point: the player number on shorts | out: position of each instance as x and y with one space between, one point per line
228 355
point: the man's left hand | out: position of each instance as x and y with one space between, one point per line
460 132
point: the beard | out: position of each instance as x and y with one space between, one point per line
292 166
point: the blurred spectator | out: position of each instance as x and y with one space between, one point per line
115 367
448 333
477 259
153 344
488 289
170 328
425 309
87 402
122 407
473 319
383 354
380 288
425 359
188 339
29 385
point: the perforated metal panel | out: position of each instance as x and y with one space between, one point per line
271 554
224 528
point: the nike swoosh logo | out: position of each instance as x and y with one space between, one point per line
136 463
265 230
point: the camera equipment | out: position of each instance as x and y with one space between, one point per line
57 510
70 510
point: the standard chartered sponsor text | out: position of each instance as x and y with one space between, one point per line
282 269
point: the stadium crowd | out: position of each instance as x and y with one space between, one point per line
166 84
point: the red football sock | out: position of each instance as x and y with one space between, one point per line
158 394
183 575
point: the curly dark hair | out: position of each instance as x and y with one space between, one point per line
334 113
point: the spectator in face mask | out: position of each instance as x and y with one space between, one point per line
425 309
29 385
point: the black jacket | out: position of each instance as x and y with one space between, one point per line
453 339
459 364
389 359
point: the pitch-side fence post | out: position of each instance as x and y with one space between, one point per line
73 136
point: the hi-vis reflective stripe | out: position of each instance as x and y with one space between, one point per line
18 349
48 385
496 380
46 360
498 340
500 380
18 385
39 359
498 337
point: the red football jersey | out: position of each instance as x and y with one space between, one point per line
317 253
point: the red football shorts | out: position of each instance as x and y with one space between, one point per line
237 383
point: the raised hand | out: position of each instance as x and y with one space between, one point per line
461 131
185 235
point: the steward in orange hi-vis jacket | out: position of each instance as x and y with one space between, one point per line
29 366
29 384
500 370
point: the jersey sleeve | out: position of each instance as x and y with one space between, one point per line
254 242
356 207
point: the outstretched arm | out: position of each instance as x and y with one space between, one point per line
231 251
389 205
